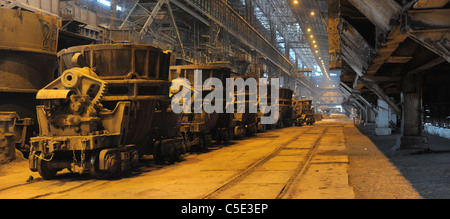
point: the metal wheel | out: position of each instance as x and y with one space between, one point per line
112 164
45 170
94 171
157 155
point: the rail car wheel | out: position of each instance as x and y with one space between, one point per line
222 136
208 140
225 136
239 132
157 154
202 142
170 154
218 136
111 165
261 127
134 154
45 170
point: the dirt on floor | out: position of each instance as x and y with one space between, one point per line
378 170
19 164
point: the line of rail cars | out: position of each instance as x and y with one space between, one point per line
303 112
201 129
112 104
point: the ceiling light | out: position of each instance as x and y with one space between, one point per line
313 13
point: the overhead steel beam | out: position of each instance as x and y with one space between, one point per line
373 86
427 20
128 16
355 94
355 98
152 16
355 50
427 66
382 13
385 50
175 26
421 4
430 28
191 12
346 90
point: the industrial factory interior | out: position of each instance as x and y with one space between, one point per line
257 100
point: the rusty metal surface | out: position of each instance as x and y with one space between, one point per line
72 118
27 50
215 124
382 13
427 20
28 43
120 61
430 4
355 50
53 94
208 71
27 31
7 134
50 7
286 112
136 73
430 28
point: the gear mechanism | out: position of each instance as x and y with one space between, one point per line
79 81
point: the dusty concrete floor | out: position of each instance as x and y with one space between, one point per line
428 172
371 173
341 163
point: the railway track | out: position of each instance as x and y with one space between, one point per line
296 173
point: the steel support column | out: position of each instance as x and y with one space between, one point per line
412 137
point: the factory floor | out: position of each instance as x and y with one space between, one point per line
333 159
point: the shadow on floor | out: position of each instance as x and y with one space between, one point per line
428 171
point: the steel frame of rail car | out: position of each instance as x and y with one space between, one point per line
76 132
264 127
303 112
286 110
166 140
78 128
144 82
200 129
163 138
246 123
